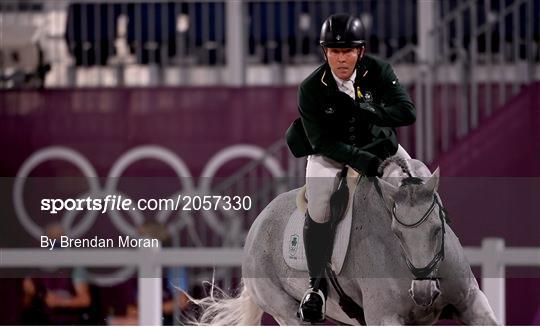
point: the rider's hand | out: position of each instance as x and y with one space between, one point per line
373 167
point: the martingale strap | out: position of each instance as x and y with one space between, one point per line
347 304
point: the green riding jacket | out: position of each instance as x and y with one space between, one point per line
359 132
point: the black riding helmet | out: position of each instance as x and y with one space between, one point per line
342 31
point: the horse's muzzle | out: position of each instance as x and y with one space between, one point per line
424 292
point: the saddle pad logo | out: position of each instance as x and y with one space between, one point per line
329 110
293 245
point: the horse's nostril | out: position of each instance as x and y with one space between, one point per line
435 294
424 292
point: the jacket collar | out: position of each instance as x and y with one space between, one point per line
327 79
361 71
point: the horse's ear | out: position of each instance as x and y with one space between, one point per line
433 183
388 190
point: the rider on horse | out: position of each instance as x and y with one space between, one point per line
349 107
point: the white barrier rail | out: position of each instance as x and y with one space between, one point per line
492 257
149 262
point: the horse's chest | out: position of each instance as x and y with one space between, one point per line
419 316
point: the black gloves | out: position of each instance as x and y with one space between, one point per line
373 167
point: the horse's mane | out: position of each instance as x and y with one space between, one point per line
400 162
412 181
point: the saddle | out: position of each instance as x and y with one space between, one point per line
293 243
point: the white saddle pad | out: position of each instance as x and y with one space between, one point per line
293 240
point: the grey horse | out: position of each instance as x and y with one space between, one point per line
404 263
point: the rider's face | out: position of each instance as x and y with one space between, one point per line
342 61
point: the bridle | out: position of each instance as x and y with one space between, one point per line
423 273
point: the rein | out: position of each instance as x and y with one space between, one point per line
423 273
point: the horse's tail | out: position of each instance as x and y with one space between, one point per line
221 309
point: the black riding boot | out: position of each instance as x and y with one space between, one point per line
317 238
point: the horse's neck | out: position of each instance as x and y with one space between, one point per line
372 242
369 209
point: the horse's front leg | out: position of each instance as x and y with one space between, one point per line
383 301
475 309
382 313
389 320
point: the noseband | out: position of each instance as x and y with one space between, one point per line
423 273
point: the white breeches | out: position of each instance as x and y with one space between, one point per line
321 181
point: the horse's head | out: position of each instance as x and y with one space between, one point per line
418 223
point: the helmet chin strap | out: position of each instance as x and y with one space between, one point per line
361 52
324 52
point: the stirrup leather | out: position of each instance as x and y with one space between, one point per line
310 312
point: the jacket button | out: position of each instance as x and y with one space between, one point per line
352 120
352 138
351 129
